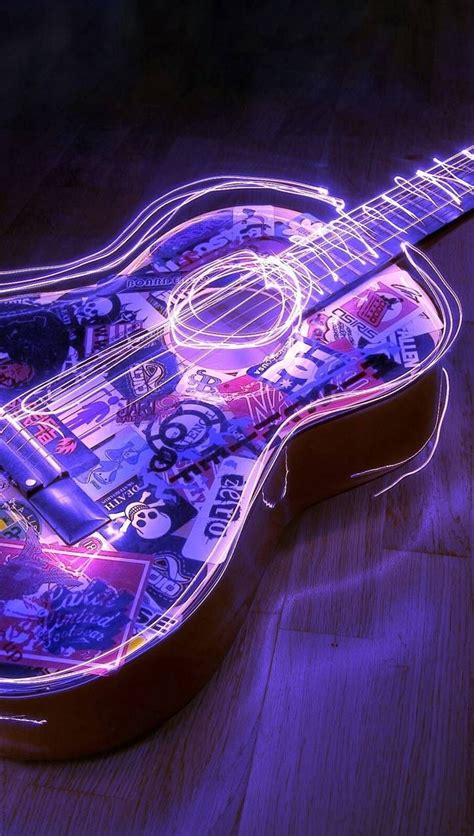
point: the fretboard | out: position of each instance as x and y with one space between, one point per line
371 235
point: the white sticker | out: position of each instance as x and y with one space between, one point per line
218 519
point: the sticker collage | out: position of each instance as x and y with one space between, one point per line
166 447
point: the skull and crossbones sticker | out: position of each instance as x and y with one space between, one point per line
143 514
149 522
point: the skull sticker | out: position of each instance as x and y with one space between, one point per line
147 521
142 515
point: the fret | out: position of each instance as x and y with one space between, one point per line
426 222
317 266
371 235
463 168
343 248
403 212
386 233
452 179
418 194
317 258
455 181
425 202
461 162
356 237
439 193
350 272
374 232
380 220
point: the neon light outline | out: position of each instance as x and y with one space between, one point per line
448 303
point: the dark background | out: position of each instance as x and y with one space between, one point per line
342 708
106 104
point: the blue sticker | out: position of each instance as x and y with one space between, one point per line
413 348
104 612
86 310
10 528
144 279
143 513
169 577
82 313
151 370
196 240
191 428
117 460
303 363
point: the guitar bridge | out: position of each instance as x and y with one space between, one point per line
46 484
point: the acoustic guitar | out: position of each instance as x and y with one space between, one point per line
244 348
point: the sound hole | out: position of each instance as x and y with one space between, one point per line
234 312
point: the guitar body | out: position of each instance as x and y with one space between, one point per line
104 713
162 421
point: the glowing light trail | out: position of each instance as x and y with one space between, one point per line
290 283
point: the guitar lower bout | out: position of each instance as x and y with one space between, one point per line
317 463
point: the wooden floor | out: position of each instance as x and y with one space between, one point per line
343 705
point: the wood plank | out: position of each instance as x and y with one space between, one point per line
334 565
192 771
364 721
432 511
47 812
386 715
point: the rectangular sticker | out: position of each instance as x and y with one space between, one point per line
61 607
116 461
218 518
143 512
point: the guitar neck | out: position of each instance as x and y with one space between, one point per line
370 236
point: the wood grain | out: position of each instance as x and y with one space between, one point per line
343 705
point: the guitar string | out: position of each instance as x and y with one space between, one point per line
211 324
377 243
76 669
321 259
366 208
311 255
87 395
185 343
466 156
363 209
141 341
225 339
137 223
306 244
345 264
110 416
320 279
418 220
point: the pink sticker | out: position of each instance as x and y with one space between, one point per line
380 306
61 608
247 396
